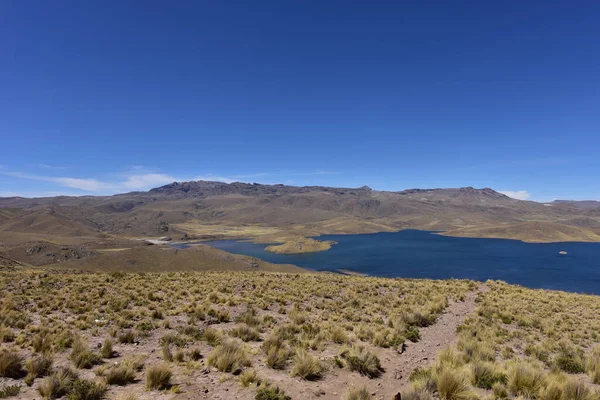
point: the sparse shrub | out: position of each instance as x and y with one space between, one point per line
359 393
166 353
229 357
249 377
485 375
246 333
85 359
412 333
195 354
171 338
42 343
500 390
363 361
121 375
81 356
306 366
417 394
58 384
569 360
107 348
158 377
179 356
277 352
269 393
524 380
64 340
576 389
212 336
9 391
37 367
11 364
127 336
338 335
552 391
451 385
6 335
83 389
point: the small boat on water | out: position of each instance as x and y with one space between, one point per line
562 252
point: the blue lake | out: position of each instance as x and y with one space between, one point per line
422 254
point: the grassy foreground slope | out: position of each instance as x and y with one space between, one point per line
255 335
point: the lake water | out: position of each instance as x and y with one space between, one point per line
422 254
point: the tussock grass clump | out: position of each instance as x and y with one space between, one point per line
38 367
423 380
249 377
6 335
246 333
11 364
9 391
84 389
195 354
81 356
229 356
277 352
500 390
179 356
452 385
363 361
127 336
525 380
339 335
121 374
552 391
58 384
270 393
417 394
42 343
212 336
158 377
107 348
306 366
569 360
167 355
576 389
359 393
85 359
485 375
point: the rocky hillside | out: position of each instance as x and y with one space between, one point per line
274 212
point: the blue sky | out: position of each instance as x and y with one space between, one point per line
99 97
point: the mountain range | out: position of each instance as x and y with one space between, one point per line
273 213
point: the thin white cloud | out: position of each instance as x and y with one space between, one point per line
517 194
51 167
88 185
146 181
138 178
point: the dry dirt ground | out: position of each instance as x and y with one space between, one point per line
205 384
196 380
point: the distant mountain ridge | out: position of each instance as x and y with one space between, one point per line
206 209
579 203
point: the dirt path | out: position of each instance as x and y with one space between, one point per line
337 382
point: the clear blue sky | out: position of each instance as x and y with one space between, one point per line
109 96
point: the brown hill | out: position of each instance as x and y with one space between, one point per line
276 213
531 231
166 259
